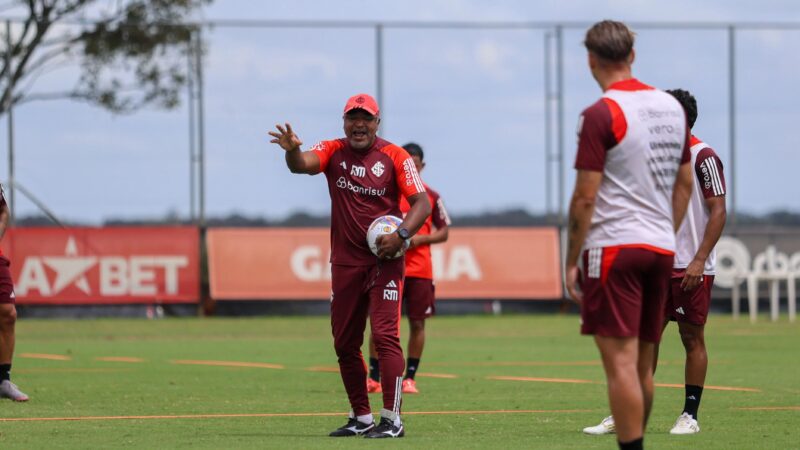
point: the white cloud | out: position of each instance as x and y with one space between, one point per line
494 59
243 61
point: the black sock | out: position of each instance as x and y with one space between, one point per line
692 402
374 369
411 367
637 444
5 372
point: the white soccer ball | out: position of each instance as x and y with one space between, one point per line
384 225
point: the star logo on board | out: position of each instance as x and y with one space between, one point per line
70 268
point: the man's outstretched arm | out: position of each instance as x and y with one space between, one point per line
297 160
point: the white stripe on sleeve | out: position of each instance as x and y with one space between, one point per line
719 188
443 212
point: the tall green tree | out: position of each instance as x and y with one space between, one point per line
130 53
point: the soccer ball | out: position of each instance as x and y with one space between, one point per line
384 225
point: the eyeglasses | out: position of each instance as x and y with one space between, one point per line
367 119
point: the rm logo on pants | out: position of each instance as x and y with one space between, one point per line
390 293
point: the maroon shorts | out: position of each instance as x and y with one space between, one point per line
419 297
624 291
6 285
689 306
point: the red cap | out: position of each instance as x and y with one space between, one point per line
362 101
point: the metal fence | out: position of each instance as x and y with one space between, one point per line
525 82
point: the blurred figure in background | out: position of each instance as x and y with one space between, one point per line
631 192
419 292
8 316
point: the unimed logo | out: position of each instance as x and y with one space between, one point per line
118 275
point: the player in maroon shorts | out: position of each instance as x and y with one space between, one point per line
8 316
694 268
366 177
631 192
419 291
693 272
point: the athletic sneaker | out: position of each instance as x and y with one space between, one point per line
10 390
373 387
606 427
410 386
352 428
387 429
685 424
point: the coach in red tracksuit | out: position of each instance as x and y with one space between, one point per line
366 177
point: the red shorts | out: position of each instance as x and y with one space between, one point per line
624 291
6 285
689 306
419 298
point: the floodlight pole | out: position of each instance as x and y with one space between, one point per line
732 119
379 72
201 142
548 127
10 113
560 120
192 130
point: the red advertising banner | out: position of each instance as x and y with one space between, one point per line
475 263
104 265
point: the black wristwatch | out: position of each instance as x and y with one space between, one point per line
404 234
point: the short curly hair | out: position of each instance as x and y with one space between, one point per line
689 103
414 149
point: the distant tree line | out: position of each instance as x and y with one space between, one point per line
506 218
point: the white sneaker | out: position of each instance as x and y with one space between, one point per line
685 425
10 390
606 427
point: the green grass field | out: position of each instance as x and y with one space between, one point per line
166 395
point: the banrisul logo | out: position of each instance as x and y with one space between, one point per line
343 183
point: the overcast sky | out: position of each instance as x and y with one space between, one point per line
474 99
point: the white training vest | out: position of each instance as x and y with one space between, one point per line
634 203
691 232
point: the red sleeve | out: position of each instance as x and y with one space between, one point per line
708 169
324 150
439 215
408 180
600 128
